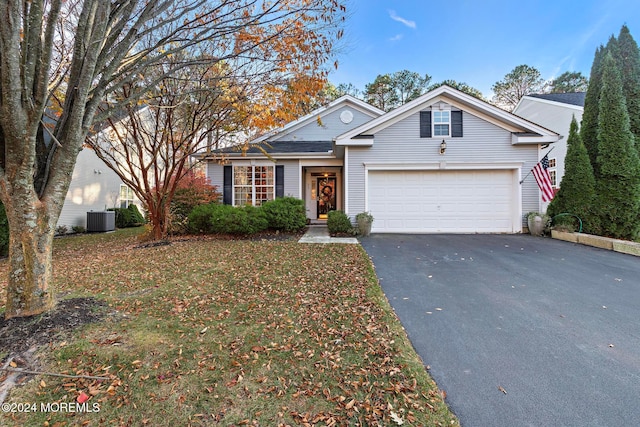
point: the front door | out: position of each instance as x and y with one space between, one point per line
326 192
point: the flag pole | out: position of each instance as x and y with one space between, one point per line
527 175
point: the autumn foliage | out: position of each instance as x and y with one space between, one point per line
192 190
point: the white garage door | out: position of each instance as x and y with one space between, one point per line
442 201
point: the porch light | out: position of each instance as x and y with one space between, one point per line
443 147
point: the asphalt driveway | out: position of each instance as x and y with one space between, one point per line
519 330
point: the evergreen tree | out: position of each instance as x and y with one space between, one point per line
578 191
627 56
618 186
589 127
569 82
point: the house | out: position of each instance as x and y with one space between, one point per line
444 162
94 187
553 111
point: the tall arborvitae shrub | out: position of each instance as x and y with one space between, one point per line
578 191
589 126
627 56
618 184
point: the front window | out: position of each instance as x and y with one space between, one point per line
253 185
441 123
126 196
553 173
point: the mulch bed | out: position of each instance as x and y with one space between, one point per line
19 334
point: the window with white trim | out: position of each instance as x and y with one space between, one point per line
253 185
553 172
127 196
441 123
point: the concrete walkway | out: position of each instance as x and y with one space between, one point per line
320 234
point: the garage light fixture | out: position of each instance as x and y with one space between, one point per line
443 147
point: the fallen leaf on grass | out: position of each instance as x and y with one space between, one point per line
396 419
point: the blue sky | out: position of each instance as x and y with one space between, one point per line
477 42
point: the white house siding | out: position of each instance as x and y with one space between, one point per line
330 126
483 143
555 116
215 173
94 187
291 177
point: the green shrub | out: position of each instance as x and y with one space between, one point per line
128 217
238 220
215 218
567 223
78 229
285 213
200 218
4 232
339 223
192 190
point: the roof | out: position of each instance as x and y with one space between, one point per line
574 98
364 134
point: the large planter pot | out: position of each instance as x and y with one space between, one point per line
536 225
364 227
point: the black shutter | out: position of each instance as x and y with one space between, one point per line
227 185
425 124
456 124
280 181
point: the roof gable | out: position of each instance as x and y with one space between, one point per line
315 117
363 135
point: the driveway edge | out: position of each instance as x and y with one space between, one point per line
622 246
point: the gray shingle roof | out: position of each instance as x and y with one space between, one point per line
575 98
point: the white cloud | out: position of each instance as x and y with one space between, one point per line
396 37
408 23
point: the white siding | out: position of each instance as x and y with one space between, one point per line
556 117
215 173
94 187
291 177
329 127
483 142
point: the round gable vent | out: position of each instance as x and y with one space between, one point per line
346 116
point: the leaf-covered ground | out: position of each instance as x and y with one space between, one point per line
223 332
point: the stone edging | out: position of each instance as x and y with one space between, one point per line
623 246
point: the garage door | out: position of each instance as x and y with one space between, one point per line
442 201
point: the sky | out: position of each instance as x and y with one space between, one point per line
477 42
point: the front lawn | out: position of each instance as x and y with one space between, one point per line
228 332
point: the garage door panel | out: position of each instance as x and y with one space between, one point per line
442 201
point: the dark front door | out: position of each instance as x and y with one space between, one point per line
326 196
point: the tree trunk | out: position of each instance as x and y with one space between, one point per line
30 256
159 219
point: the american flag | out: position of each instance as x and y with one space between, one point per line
543 178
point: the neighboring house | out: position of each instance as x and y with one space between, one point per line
93 187
444 162
553 111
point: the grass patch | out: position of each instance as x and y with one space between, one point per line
215 332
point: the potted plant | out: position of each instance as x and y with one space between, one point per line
537 223
364 221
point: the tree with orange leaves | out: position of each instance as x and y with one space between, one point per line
87 51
